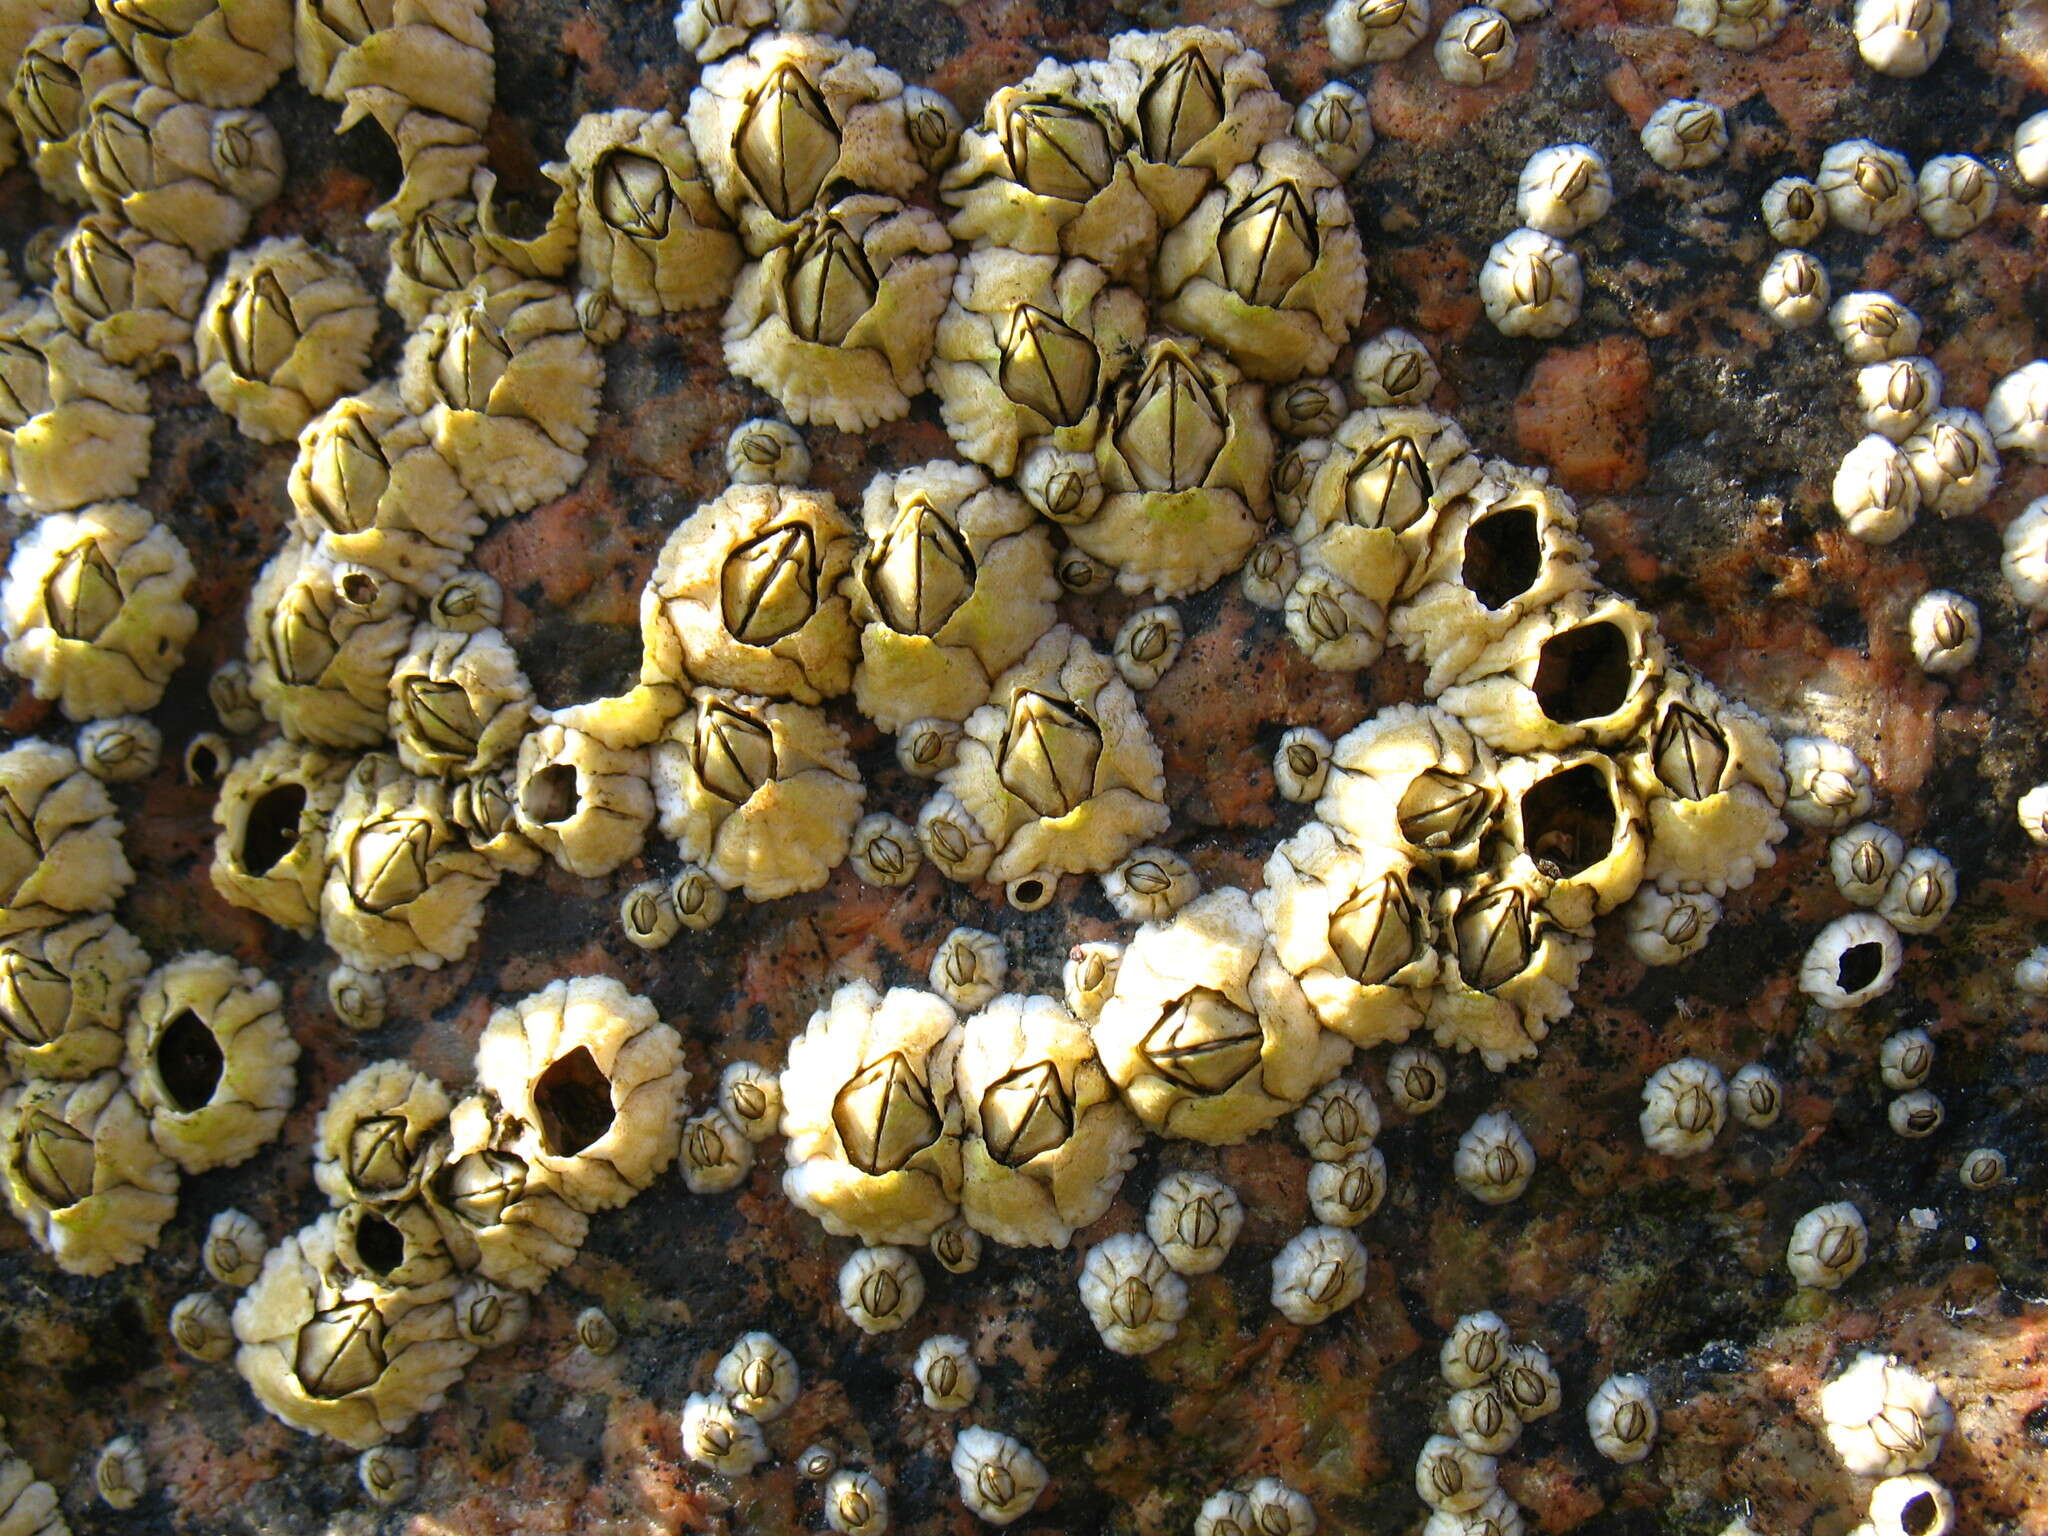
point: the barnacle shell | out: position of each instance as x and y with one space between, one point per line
94 609
1374 31
2016 415
1045 1139
373 1142
178 170
947 1375
60 844
499 1214
1135 1301
1531 285
233 1249
1743 25
211 1060
1956 194
63 992
225 53
1954 460
1920 892
81 1172
1827 784
459 702
1225 1512
717 1435
1883 1419
856 1503
1412 781
885 850
489 1315
1685 1104
1905 1059
273 812
998 1477
1148 644
131 297
285 332
872 1121
234 706
880 1289
59 69
1667 927
1494 1161
1794 290
1873 327
651 234
1301 766
1150 885
1207 1034
585 804
758 1376
1828 1245
1622 1418
1897 394
1318 1274
1343 1193
956 1246
968 968
1194 105
593 1080
1794 211
1335 122
1851 961
1755 1096
200 1327
1416 1079
1508 969
1338 1120
1475 1350
1583 672
1915 1114
1574 830
28 1506
1685 135
120 749
2024 561
119 1474
1194 1218
324 635
1868 188
751 1097
1476 46
73 427
1901 38
715 1156
710 29
433 252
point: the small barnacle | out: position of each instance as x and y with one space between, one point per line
500 1215
1494 1161
1585 672
119 1475
1685 1104
1495 1515
946 1373
1755 1096
593 1080
758 1376
1827 785
1530 1384
2024 562
1665 927
82 1174
956 1246
1374 31
716 1156
1194 1219
1920 892
880 1289
764 451
1794 291
1507 969
60 842
1851 961
1868 188
459 703
200 1327
1564 188
1476 46
998 1477
711 29
1080 573
968 968
234 705
1301 766
1338 1120
751 1097
234 1248
286 331
1484 1420
1912 1505
856 1504
1827 1246
121 749
817 1462
64 989
1531 285
1794 211
717 1435
389 1473
1895 395
1342 1193
177 170
1336 626
1063 485
1884 1420
2030 150
1150 885
1089 976
934 126
885 850
1956 192
1621 1416
1475 1350
324 636
1416 1080
1954 460
1335 122
1453 1477
648 918
1278 1510
1393 368
585 803
210 1060
1225 1512
1319 1273
1134 1299
1915 1114
1743 25
1873 327
2016 415
74 429
595 1332
651 234
952 839
1148 644
372 1145
1875 491
1412 783
1270 572
1981 1168
1905 1059
490 1315
1901 38
131 297
1685 135
505 384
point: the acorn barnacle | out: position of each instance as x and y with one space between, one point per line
1884 1419
1905 1059
1344 1192
1089 976
433 252
489 1315
955 1246
74 428
1895 395
1271 570
1301 767
1045 1139
1901 38
880 1289
1494 1161
394 1243
1743 25
1920 892
1476 46
61 65
1195 103
718 1436
1957 194
505 384
946 1373
954 586
758 1376
1711 778
2024 561
403 885
1851 961
1664 928
1528 1382
1981 1168
1827 784
1912 1505
1794 211
1374 31
1685 1104
1507 969
500 1215
1194 1219
593 1080
120 749
1412 781
652 235
1335 122
583 802
1915 1114
751 1097
1150 885
2016 414
64 989
1134 1299
1394 368
1452 1476
715 1156
1755 1096
1827 1246
1954 460
222 54
60 843
1873 327
1875 491
1336 626
1564 188
1621 1416
1684 135
119 1475
1531 285
998 1476
131 297
175 169
285 332
1483 1419
856 1503
1148 644
764 451
459 702
1868 188
1583 672
200 1327
1226 1512
234 706
82 1174
234 1248
1416 1079
1207 1033
1475 1351
211 1060
885 851
324 636
373 1144
1574 828
1794 290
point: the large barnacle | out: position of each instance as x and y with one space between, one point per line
74 428
500 1215
1414 781
506 383
1207 1033
593 1082
1045 1139
82 1173
583 802
273 810
872 1121
131 297
60 844
954 585
324 635
432 59
62 68
1711 781
286 331
1572 826
1508 969
374 1143
1195 104
651 234
432 253
711 29
211 1060
177 170
225 53
762 794
94 609
64 990
403 885
459 703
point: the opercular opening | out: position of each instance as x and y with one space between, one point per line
271 830
575 1104
1502 555
1920 1515
1568 821
550 795
188 1062
380 1246
1860 965
1583 673
359 589
202 763
1027 892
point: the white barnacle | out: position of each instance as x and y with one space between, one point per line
1875 491
880 1289
1063 485
1911 1505
1851 961
1150 885
751 1096
1374 31
1416 1079
758 1376
715 1156
120 750
2030 150
1665 927
234 705
1827 784
1194 1219
1793 291
1684 135
1476 46
1583 861
764 451
1270 572
1954 460
1743 25
233 1248
389 1474
286 331
1338 1120
1868 188
1483 1419
718 1436
1982 1168
82 1174
200 1327
119 1475
1905 1058
2016 414
1148 644
1563 189
946 1372
1827 1246
926 748
1494 1161
885 851
956 1246
1531 285
1884 1419
1685 1104
1475 1350
490 1315
1895 395
1343 1192
2030 975
1755 1096
1335 122
1915 1114
1529 1382
2024 562
1336 626
1495 1515
1319 1273
1622 1418
65 987
1920 893
1901 38
998 1477
211 1060
1873 327
1081 573
1957 193
1795 213
817 1462
856 1503
1394 368
968 968
1278 1510
1453 1477
1301 766
1133 1297
1226 1512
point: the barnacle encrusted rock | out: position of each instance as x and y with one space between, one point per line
74 428
582 802
323 637
211 1060
273 811
650 232
64 989
403 885
60 844
872 1121
225 53
593 1081
285 332
94 609
131 297
178 170
1135 1301
1582 672
81 1172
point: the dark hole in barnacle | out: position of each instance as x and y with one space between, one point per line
359 589
1502 556
1919 1516
379 1245
202 763
1860 965
272 829
1583 673
575 1103
1568 821
188 1062
550 795
1027 892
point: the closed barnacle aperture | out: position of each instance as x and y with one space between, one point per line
1743 25
211 1060
233 1248
61 67
998 1476
1494 1162
286 330
82 1174
1319 1273
1483 1419
1826 784
1867 187
1711 780
1794 290
947 1375
1134 1299
1896 395
373 1143
1901 38
1794 211
1339 1120
176 169
2016 414
1873 327
1905 1059
74 427
1884 1419
1828 1245
324 636
1957 193
1665 927
1335 122
1622 1418
1563 189
717 1436
1755 1096
1413 781
1953 460
502 1217
1195 105
131 297
651 233
1531 285
64 989
856 1503
432 254
1476 46
1374 31
715 1157
1685 1104
1194 1220
459 702
881 1288
750 1094
60 842
120 749
200 1327
1150 885
225 54
1685 135
1920 893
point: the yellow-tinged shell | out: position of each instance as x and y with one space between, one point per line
1414 781
432 56
1507 970
324 635
374 1141
1207 1034
872 1120
1711 778
74 428
501 1216
273 810
651 233
1194 104
63 993
94 609
593 1081
28 1505
53 78
178 170
953 585
432 253
224 53
82 1173
487 811
1574 830
585 804
762 794
1045 1139
211 1060
459 703
711 29
129 296
286 331
60 844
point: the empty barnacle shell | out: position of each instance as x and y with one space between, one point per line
1270 572
2016 414
324 636
200 1327
1851 961
1896 395
74 428
64 991
1755 1096
1342 1193
1905 1059
82 1174
717 1435
1338 1120
716 1157
998 1477
234 705
946 1373
1684 135
870 1114
211 1060
1901 38
1912 1505
373 1142
1301 766
1583 672
1920 892
1981 1168
273 812
396 1244
648 918
583 802
651 234
885 850
175 169
131 297
1915 1114
1867 188
1665 927
1622 1418
764 451
1416 1079
1319 1273
285 332
1475 1351
1494 1161
490 1315
532 236
1685 1104
856 1503
1573 821
1826 784
1531 285
880 1289
1150 885
1954 461
1374 31
751 1097
1484 1420
1476 46
1148 644
1873 327
1794 211
1884 1419
60 842
1743 25
1412 782
956 1246
1956 192
1711 780
1336 626
459 703
500 1215
1794 290
1828 1245
121 749
1564 188
389 1474
1194 1219
233 1249
1135 1301
119 1475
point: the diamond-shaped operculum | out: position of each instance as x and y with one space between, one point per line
302 646
441 714
24 384
163 18
1025 1114
378 1157
633 194
347 475
1689 753
21 846
1181 105
436 252
788 141
1388 486
355 19
734 751
1268 243
387 860
1058 148
829 284
1174 423
885 1115
1048 366
1204 1043
102 275
1443 811
35 999
1049 753
1494 938
117 146
82 595
769 585
341 1349
48 95
474 356
261 327
55 1159
482 1186
920 572
1373 934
